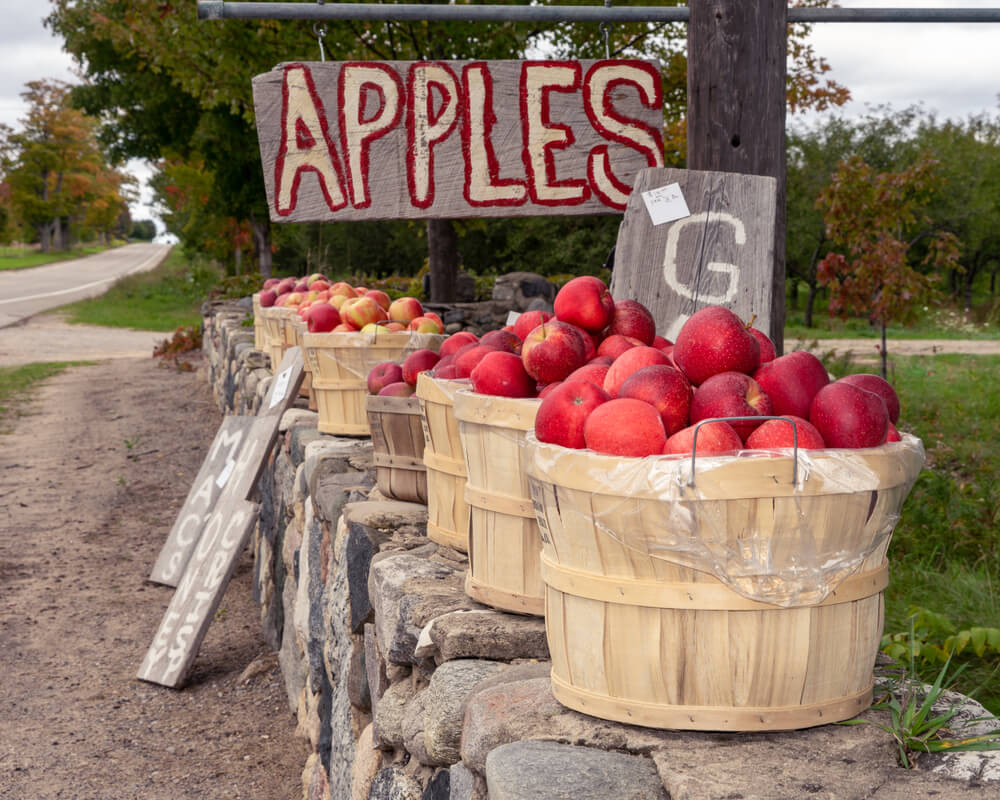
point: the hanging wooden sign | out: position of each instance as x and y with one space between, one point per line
690 239
222 539
446 139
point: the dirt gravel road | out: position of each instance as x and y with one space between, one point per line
91 480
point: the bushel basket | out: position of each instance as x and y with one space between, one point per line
732 599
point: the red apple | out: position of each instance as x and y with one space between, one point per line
528 321
632 360
715 340
270 283
585 302
880 386
502 340
400 389
664 388
422 324
893 434
553 350
632 318
267 297
456 341
404 309
382 374
449 372
778 433
767 349
321 318
595 373
625 427
545 389
418 361
791 381
731 394
468 357
714 438
561 415
380 297
502 373
616 344
360 311
848 416
659 343
318 285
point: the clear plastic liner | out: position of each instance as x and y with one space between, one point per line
739 518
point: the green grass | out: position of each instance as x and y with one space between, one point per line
163 299
16 384
17 258
945 552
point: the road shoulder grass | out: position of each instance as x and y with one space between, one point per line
18 383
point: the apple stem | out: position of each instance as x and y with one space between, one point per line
752 318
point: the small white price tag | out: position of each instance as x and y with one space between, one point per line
666 204
225 473
280 387
512 317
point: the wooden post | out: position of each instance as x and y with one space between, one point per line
736 105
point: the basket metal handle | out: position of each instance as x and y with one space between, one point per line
795 441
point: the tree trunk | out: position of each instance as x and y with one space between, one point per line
442 257
238 259
261 229
736 105
44 236
885 356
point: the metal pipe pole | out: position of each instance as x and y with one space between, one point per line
222 9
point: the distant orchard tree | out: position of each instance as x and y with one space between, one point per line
144 229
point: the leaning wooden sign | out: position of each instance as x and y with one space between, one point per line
407 139
223 537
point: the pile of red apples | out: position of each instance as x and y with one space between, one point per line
607 382
337 306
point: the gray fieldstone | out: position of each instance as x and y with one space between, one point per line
369 526
438 787
296 416
392 585
551 771
464 784
387 725
445 695
378 680
491 634
516 289
414 740
392 783
299 435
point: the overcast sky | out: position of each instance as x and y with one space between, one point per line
951 68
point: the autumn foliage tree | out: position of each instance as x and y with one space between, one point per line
59 179
876 219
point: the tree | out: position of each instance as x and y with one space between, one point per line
168 85
59 178
876 218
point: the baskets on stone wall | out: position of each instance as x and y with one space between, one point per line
741 602
340 363
398 447
447 510
504 543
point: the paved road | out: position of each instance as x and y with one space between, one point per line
24 293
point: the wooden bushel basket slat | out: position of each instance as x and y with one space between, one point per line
398 447
295 330
447 510
644 640
340 363
259 329
274 328
504 543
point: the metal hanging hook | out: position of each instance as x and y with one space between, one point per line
320 30
606 32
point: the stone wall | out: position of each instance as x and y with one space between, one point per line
409 690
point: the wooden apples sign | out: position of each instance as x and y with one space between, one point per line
411 139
